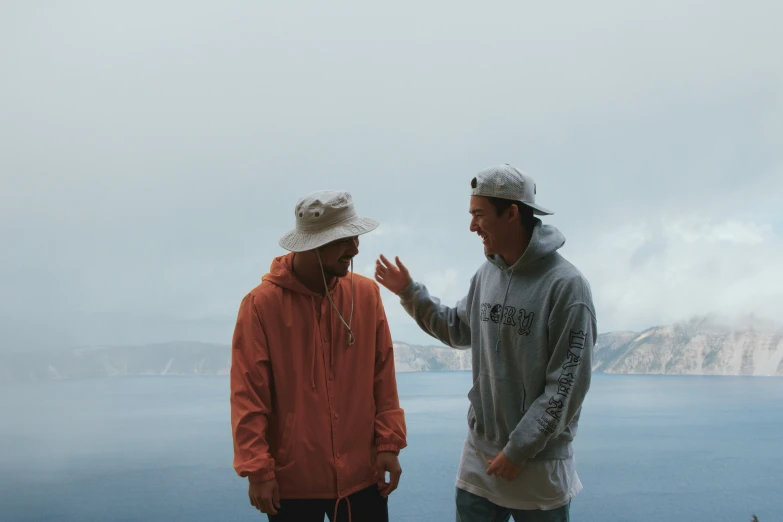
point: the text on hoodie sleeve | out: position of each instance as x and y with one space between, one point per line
572 333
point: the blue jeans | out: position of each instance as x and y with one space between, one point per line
473 508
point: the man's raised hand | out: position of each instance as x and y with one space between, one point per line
394 277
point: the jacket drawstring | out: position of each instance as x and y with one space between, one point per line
315 345
331 345
336 505
503 310
351 339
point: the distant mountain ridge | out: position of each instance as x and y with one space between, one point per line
176 358
702 346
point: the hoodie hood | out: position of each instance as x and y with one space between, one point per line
545 241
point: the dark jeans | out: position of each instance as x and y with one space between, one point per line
473 508
367 505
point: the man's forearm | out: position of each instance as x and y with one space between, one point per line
449 325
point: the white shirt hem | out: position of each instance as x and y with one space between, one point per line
523 506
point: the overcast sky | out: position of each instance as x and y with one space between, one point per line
151 153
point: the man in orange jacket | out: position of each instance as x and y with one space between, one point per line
315 414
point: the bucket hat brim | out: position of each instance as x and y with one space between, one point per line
300 241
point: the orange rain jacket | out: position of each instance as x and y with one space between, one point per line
307 408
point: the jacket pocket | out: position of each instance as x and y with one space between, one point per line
498 405
471 417
523 406
286 440
480 410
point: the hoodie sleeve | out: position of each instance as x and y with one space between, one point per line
451 326
390 429
251 390
572 332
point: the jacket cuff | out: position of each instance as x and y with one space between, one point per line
264 476
392 448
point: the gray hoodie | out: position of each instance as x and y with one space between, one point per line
531 327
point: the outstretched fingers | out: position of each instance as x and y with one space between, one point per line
402 268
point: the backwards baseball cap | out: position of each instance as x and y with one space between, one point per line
506 182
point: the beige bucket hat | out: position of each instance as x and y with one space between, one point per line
322 217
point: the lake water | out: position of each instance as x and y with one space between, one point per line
146 449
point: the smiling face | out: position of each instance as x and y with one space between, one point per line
336 256
497 231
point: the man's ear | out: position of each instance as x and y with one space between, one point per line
513 212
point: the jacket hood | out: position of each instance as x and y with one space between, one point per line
281 273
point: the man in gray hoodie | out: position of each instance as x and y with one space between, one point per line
530 322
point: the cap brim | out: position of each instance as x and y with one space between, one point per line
539 210
298 241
